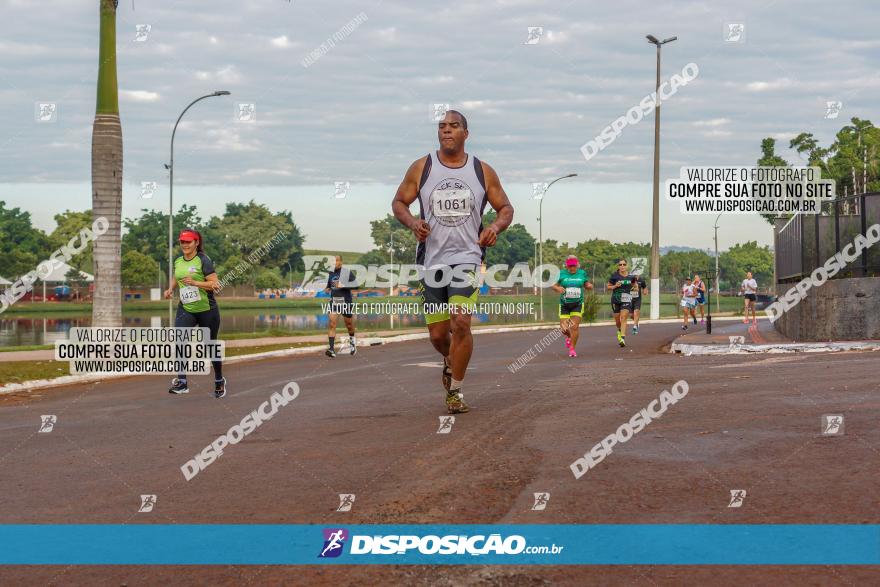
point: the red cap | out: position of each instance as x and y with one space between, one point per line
189 235
571 262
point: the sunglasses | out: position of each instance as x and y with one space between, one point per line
621 264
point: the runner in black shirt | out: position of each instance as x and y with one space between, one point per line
340 303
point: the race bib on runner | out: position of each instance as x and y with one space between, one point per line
451 203
337 300
636 292
189 294
572 293
624 298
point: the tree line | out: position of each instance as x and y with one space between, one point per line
598 256
228 239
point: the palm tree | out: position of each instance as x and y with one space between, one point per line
107 177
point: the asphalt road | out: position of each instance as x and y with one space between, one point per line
368 425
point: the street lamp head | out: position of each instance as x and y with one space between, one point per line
221 93
652 39
669 40
570 175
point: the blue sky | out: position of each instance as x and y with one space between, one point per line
361 111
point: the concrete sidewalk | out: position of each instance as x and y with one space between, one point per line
733 336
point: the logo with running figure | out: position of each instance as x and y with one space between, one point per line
541 500
446 423
148 502
832 424
737 497
47 423
334 542
452 202
346 500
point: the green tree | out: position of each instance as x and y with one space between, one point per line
769 158
676 266
268 278
139 269
514 245
404 240
148 234
68 225
22 246
247 229
107 176
746 257
378 257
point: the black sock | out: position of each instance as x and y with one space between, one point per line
332 342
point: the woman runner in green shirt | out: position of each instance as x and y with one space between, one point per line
196 277
571 285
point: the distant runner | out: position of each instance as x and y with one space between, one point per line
620 283
640 289
571 284
689 301
749 289
196 277
700 285
452 188
340 303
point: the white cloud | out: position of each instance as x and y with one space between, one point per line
139 95
778 84
712 122
281 42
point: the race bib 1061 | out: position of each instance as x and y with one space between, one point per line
451 203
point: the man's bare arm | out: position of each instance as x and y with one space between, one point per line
501 204
406 195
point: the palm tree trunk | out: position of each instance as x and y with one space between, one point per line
107 178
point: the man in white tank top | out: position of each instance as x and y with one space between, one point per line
452 188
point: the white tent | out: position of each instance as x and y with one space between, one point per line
4 281
59 273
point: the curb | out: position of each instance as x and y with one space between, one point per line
793 347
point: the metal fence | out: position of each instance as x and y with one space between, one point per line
807 241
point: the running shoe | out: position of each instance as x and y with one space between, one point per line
220 388
635 329
572 353
745 320
330 353
178 386
695 319
446 376
684 327
353 344
620 339
455 402
702 320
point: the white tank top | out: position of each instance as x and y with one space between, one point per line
452 202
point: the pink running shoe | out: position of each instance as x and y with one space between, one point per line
745 320
571 353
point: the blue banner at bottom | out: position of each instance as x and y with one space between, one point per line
531 544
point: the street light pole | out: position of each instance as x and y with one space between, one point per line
170 168
717 276
541 233
391 287
655 223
